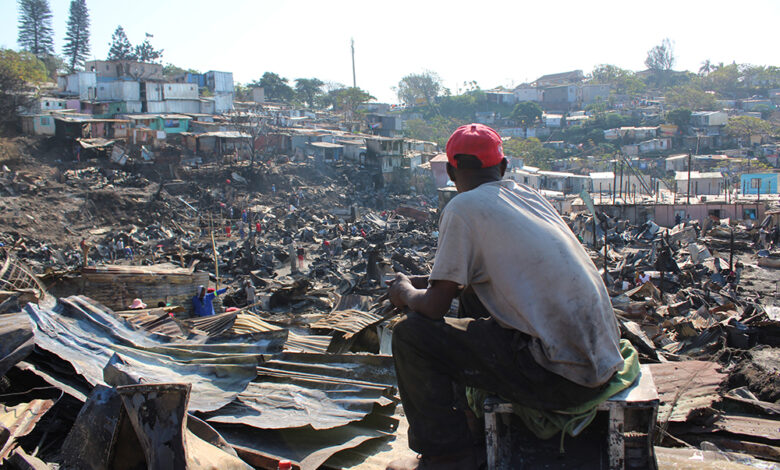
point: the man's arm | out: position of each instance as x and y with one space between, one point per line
433 302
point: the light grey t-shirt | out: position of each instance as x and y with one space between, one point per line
510 245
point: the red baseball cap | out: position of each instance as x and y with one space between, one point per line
478 140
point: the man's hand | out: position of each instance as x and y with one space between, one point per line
399 288
433 302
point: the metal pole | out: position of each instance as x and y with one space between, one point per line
614 181
600 195
354 80
731 252
621 182
688 199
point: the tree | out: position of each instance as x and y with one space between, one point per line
276 88
437 129
681 117
35 32
170 71
348 100
661 57
308 89
745 126
120 47
415 89
531 150
145 52
706 68
76 48
17 71
689 97
622 81
526 112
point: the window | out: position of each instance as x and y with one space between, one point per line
44 121
749 214
171 123
755 183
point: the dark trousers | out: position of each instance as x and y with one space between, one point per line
435 359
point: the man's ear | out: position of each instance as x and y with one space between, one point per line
503 166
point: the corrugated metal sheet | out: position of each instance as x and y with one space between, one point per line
153 91
180 91
684 387
16 340
307 343
20 420
155 106
207 106
92 339
223 102
307 407
347 321
219 82
119 90
318 390
182 106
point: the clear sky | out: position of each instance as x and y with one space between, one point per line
492 42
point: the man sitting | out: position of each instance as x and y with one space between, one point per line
536 325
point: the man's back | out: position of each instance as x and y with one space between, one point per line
531 273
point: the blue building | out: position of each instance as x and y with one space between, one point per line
760 183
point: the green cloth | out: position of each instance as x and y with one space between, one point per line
572 421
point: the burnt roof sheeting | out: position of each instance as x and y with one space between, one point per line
307 343
88 337
309 448
16 340
20 420
685 387
347 321
318 390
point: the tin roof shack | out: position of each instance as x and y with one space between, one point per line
664 214
760 183
354 150
630 134
382 155
709 118
109 109
603 182
701 183
116 286
566 183
37 124
167 123
385 125
527 175
218 144
108 70
80 126
82 85
439 170
325 152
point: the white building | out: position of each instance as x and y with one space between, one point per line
701 183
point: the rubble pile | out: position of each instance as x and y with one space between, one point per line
295 364
706 322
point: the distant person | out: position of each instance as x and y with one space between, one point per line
258 229
84 252
137 304
202 303
677 219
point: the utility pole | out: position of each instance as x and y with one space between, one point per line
689 179
352 45
614 180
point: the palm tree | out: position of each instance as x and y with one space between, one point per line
706 68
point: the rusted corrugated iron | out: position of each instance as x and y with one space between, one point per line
19 421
